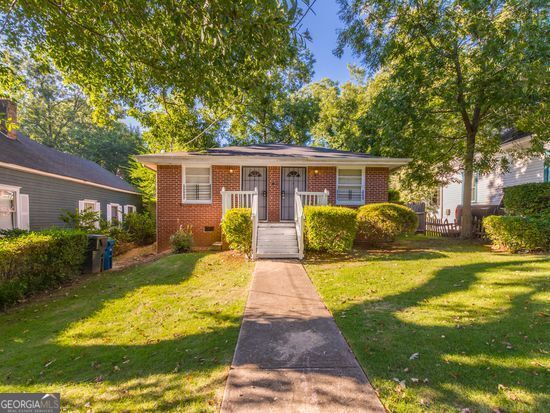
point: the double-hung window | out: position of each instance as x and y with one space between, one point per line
8 208
90 205
114 213
128 209
197 185
350 188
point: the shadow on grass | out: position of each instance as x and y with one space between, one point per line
454 357
32 352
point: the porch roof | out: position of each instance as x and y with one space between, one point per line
270 154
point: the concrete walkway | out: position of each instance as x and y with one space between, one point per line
290 355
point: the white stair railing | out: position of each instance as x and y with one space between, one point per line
314 198
236 199
299 221
254 223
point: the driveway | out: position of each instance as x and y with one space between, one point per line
290 356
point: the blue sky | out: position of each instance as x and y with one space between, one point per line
323 26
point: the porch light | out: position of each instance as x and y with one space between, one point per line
316 172
230 171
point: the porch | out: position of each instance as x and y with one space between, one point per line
275 239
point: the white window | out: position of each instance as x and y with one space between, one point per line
90 205
9 207
114 213
128 209
197 185
350 187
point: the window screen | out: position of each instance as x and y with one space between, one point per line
350 186
197 186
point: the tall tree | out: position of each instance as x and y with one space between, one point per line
346 120
58 116
278 110
459 73
125 53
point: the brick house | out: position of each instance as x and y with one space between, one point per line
190 184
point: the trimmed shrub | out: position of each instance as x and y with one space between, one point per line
237 229
330 228
140 227
519 233
38 261
528 199
385 221
182 240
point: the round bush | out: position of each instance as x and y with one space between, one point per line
237 229
384 222
329 228
515 233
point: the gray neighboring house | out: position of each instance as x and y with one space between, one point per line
38 183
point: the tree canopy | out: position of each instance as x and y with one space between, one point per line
457 74
128 53
59 116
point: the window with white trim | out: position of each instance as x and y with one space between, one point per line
114 213
8 207
350 189
197 185
129 209
90 205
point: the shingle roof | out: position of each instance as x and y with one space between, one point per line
276 150
25 152
510 135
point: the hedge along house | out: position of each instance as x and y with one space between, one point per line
275 180
38 183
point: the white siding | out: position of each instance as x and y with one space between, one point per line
489 187
451 197
525 171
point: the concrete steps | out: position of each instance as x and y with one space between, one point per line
277 240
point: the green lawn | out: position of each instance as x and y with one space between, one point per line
478 319
159 337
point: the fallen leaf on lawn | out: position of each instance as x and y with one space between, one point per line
414 379
49 363
414 356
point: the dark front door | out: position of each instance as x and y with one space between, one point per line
256 177
291 178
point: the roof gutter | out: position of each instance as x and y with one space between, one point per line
151 161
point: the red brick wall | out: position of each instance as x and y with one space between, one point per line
325 178
376 185
172 213
274 193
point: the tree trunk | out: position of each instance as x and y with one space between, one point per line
466 220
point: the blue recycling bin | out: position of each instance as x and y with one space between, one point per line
108 255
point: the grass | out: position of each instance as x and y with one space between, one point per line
477 319
159 337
